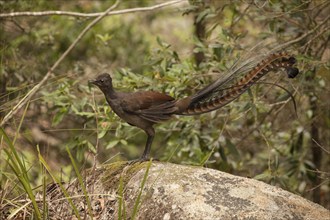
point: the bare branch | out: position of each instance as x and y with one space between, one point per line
323 148
302 36
77 14
28 96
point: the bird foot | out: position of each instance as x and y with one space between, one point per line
141 160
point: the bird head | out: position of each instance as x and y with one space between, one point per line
103 81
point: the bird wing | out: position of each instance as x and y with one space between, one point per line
150 105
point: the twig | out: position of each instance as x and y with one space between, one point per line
317 186
302 36
77 14
28 96
325 150
240 16
96 145
323 47
308 44
322 7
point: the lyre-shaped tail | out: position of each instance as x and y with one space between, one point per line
216 95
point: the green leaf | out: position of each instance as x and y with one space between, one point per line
272 25
202 15
223 154
91 147
123 142
58 117
262 176
232 148
101 133
111 144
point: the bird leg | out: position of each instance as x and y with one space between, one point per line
151 134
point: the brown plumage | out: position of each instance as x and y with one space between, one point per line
143 109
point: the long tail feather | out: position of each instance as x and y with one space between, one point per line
286 90
217 94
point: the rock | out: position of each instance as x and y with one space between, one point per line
186 192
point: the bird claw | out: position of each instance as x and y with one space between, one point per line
141 160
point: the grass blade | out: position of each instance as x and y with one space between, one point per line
17 165
56 180
81 182
121 197
138 199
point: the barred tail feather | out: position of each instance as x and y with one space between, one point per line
217 95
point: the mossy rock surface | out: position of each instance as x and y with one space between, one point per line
173 191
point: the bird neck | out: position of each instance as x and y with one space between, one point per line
109 92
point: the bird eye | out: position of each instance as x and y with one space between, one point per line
102 80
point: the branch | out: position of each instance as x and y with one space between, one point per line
77 14
302 36
28 96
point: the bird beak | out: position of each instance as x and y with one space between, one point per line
92 81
